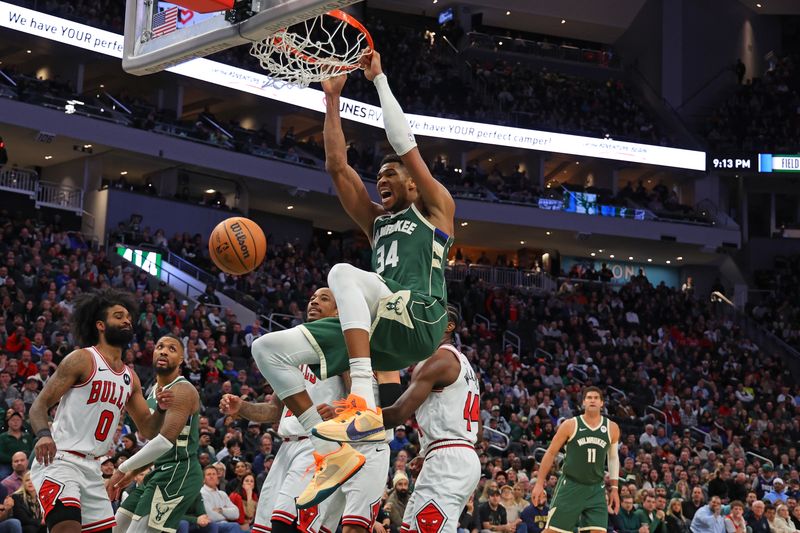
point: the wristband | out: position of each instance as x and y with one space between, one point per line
614 487
160 410
43 433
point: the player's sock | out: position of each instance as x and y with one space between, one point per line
308 420
361 375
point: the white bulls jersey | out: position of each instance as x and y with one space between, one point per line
89 413
321 391
453 412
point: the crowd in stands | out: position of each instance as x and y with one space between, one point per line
437 83
777 309
695 399
762 115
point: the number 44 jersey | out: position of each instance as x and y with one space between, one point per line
451 413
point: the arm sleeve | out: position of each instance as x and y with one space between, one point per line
398 132
154 449
613 462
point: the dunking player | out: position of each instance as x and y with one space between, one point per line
580 497
395 315
93 386
276 510
445 395
170 489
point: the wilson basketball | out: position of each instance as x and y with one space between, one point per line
237 245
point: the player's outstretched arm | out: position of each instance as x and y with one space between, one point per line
76 368
147 424
440 369
351 190
256 412
438 201
564 432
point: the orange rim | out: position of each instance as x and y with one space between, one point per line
344 17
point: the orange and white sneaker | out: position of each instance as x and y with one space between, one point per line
354 422
331 471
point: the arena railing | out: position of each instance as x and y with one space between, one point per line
565 52
512 339
496 439
19 180
760 458
507 277
655 409
59 196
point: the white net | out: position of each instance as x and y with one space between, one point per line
314 50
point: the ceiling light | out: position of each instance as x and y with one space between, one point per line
210 191
611 256
435 1
87 145
522 242
547 233
28 51
508 13
592 254
499 43
48 157
630 258
464 224
577 162
649 260
667 261
330 233
123 173
102 86
563 21
758 5
289 207
600 250
679 258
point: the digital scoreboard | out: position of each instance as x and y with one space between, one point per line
778 163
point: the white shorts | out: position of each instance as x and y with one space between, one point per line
449 476
290 473
358 501
75 482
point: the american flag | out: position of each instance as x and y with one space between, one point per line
165 22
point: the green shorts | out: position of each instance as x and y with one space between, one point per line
577 505
166 494
408 328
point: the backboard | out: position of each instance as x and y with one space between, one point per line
160 34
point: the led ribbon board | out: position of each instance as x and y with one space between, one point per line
147 260
109 43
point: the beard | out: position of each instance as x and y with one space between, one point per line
118 337
164 370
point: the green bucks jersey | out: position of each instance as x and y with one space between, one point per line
185 448
409 250
585 452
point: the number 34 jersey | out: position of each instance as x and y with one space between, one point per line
88 414
452 412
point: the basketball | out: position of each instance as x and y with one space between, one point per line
237 245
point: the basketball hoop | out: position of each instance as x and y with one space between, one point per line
314 50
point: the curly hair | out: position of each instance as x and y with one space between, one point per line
93 306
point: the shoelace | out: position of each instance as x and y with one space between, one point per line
344 409
317 466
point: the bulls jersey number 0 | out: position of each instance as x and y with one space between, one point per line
89 413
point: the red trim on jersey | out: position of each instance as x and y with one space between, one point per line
91 376
103 357
283 516
99 525
324 529
470 446
355 520
437 441
260 528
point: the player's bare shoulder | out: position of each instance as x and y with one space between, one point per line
77 367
